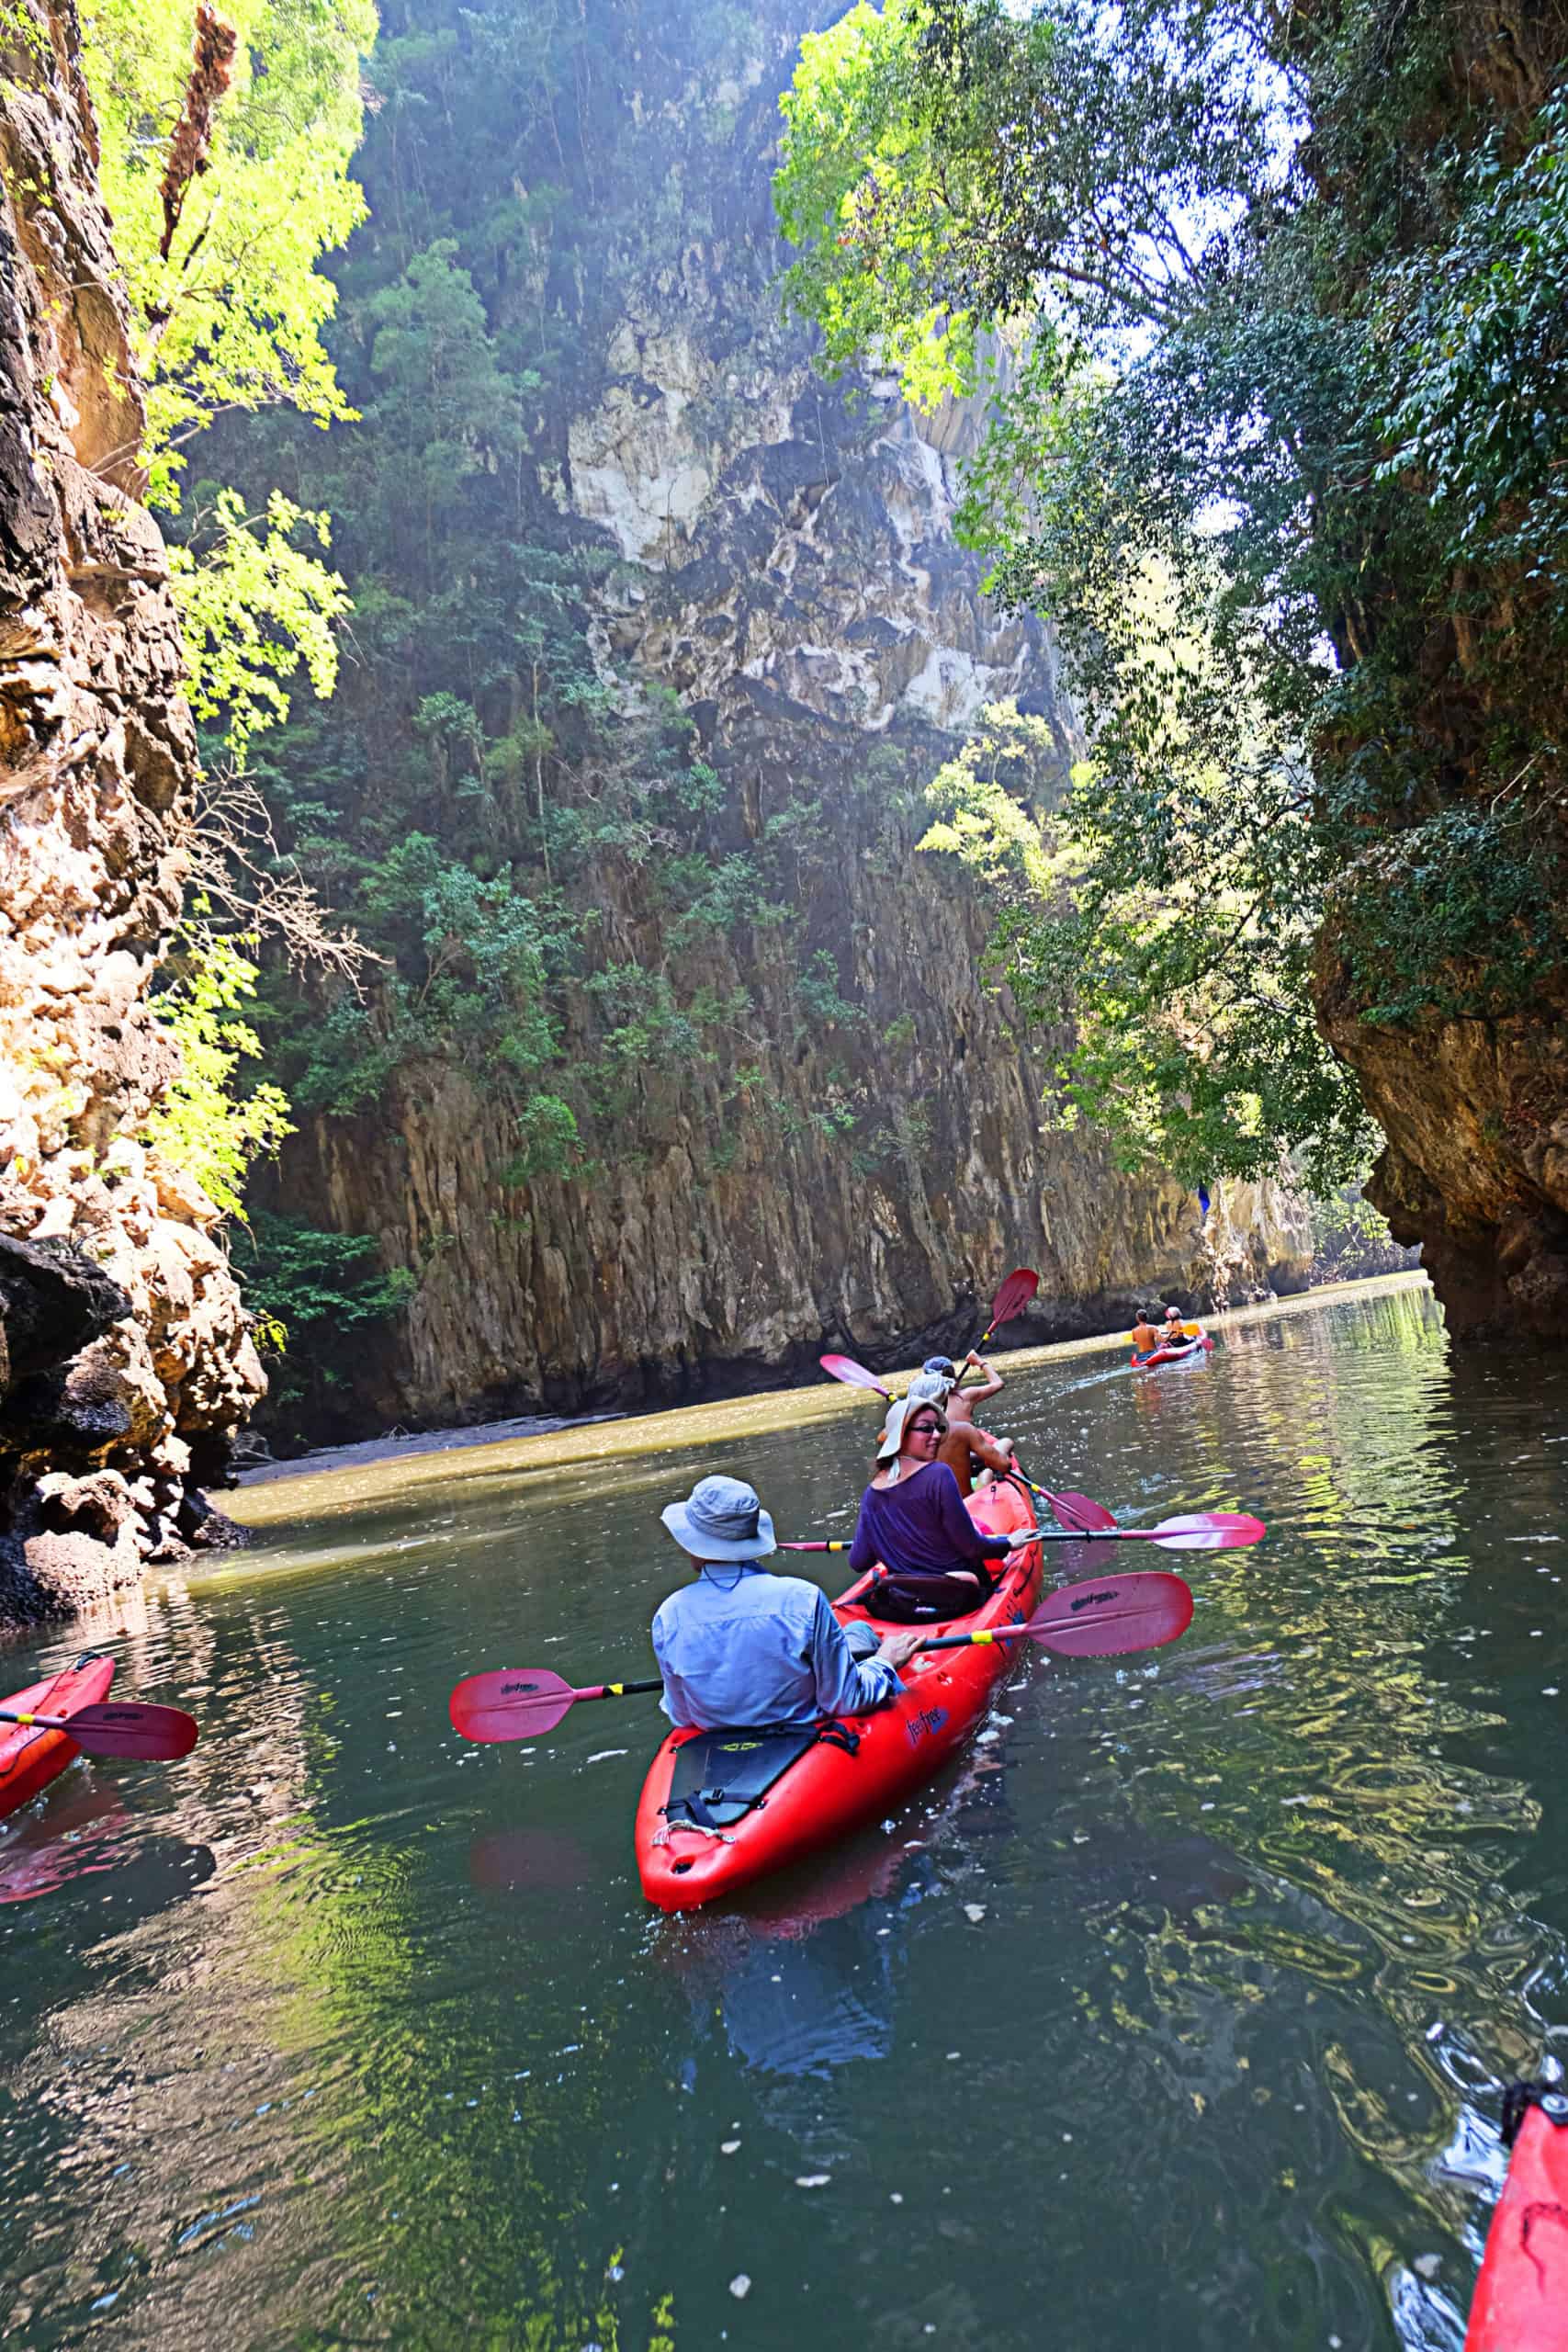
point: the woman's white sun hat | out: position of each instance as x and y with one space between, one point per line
721 1519
892 1437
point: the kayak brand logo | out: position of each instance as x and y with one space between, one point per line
1091 1599
929 1719
517 1690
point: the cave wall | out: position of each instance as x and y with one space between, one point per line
125 1360
787 563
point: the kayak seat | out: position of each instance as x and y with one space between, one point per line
721 1775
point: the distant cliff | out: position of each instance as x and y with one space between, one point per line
125 1359
848 1144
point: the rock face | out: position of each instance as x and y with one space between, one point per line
788 566
1475 1167
125 1360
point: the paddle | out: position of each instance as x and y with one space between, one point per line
1104 1617
854 1376
1197 1530
155 1734
1011 1299
1080 1513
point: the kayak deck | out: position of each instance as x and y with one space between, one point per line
30 1758
1521 2297
865 1764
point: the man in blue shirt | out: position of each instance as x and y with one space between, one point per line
743 1647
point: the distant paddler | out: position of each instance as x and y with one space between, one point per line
963 1444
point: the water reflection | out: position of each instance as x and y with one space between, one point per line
1178 2019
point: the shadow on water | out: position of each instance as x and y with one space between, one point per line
1175 2017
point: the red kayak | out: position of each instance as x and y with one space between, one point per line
1521 2296
30 1758
1201 1346
720 1809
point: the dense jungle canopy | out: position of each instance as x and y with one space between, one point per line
1271 303
1268 303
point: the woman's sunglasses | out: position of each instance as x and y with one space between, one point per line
924 1429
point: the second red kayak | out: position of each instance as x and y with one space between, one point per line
1201 1346
29 1757
745 1802
1521 2296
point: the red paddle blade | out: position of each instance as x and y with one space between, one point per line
1107 1616
154 1735
1078 1512
1013 1296
853 1375
512 1702
1208 1530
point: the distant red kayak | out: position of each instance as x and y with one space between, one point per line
30 1758
786 1796
1202 1346
1521 2296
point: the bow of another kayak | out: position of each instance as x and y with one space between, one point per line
31 1757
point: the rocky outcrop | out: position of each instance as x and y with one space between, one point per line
126 1358
862 1170
1475 1166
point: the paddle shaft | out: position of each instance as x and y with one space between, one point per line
619 1690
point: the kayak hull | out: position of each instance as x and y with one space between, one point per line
30 1758
1521 2296
1203 1346
829 1792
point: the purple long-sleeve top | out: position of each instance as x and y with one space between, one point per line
921 1528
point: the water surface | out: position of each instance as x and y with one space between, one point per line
1173 2021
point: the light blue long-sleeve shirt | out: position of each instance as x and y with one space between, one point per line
739 1645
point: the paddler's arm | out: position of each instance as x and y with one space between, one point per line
863 1551
996 1454
844 1685
990 1384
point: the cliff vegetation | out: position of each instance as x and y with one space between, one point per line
1280 444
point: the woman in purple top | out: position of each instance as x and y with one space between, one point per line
912 1520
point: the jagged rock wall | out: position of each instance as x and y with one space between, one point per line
789 566
125 1361
1475 1165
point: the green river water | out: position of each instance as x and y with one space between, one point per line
1173 2021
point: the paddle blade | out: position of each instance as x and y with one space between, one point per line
1207 1530
853 1375
1013 1296
1107 1616
154 1735
513 1702
1079 1511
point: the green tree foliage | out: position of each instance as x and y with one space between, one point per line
1247 287
317 1297
202 1123
227 183
483 789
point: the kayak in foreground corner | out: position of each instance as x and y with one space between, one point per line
1195 1353
30 1757
720 1809
1521 2296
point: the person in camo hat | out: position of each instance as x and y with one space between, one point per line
741 1647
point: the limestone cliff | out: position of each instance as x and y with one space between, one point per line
125 1360
780 553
